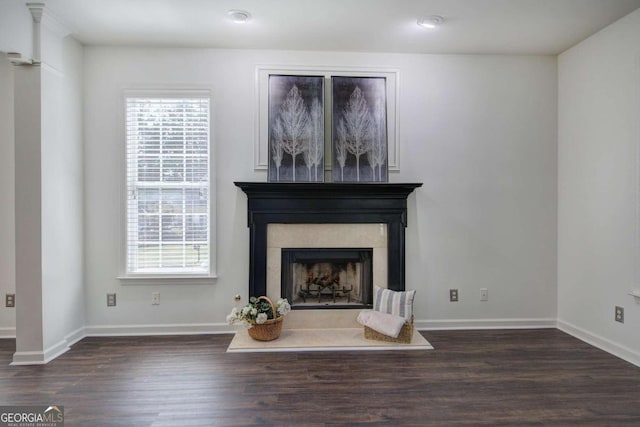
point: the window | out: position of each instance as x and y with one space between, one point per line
168 216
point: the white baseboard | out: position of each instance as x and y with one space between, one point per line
169 329
61 347
223 328
6 333
75 336
56 350
454 324
609 346
53 352
28 358
40 357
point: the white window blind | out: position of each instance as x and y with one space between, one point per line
168 200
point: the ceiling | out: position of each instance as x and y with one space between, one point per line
471 26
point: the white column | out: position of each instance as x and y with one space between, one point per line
48 194
28 210
36 10
7 207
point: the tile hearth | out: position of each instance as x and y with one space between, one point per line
322 330
338 339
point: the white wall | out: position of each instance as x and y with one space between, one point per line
62 194
7 217
598 216
15 28
479 131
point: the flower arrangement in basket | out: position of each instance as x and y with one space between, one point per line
261 316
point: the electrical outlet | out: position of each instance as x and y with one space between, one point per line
453 295
155 298
111 300
484 294
620 314
10 300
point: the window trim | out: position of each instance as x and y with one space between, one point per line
171 278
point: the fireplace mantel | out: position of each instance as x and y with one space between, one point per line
325 203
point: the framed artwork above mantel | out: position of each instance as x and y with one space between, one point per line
391 78
296 128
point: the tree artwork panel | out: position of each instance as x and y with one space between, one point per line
296 128
359 137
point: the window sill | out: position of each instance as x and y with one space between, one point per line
175 279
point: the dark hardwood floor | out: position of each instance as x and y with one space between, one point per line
515 378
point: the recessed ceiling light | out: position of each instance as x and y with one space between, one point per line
431 22
239 16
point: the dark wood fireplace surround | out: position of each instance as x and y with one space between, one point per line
325 203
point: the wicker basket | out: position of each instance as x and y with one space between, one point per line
269 330
406 333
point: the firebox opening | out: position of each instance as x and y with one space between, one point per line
315 278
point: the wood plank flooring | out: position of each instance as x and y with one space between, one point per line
472 378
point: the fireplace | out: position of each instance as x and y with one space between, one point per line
318 278
335 207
